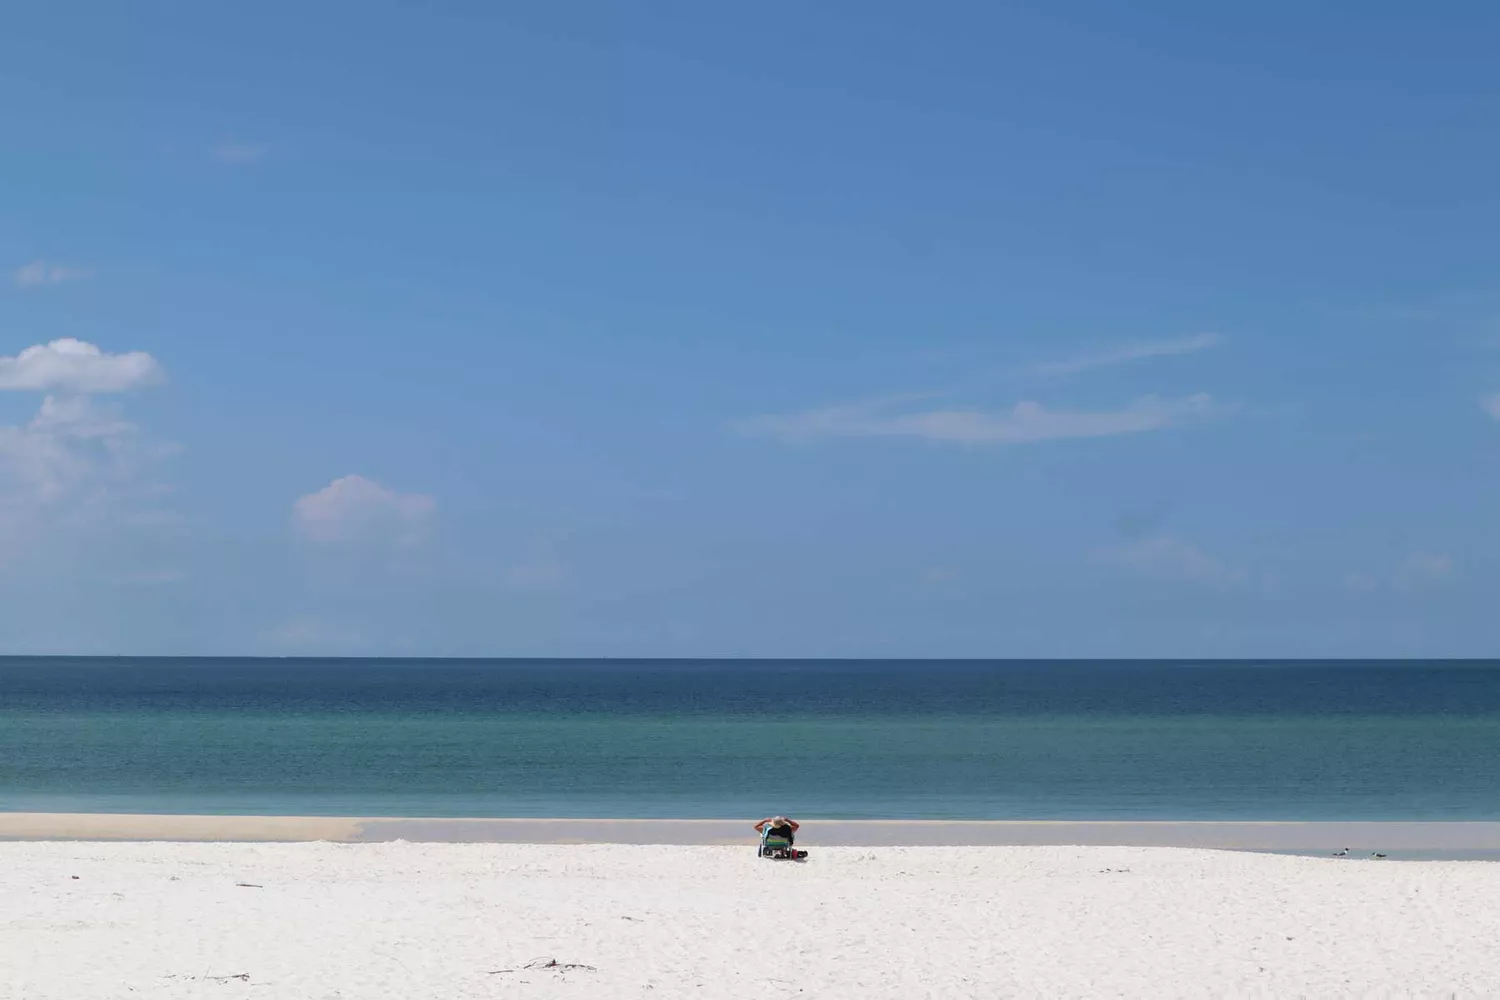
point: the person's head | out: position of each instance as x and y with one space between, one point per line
778 821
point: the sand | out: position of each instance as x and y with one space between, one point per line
442 920
1425 840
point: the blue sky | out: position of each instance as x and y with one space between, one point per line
1067 329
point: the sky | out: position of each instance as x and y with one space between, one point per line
1066 329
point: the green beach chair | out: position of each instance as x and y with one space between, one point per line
775 846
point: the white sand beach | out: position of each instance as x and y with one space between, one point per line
234 921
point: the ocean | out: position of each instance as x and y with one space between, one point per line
731 738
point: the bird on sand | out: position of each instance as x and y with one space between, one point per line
1341 854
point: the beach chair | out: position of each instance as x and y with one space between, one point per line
778 847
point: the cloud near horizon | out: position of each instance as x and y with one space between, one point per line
1418 571
306 631
353 510
1026 422
1171 558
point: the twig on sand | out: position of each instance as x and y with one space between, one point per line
243 976
249 885
546 963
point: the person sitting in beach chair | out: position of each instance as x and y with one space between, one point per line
777 837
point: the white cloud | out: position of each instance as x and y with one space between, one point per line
1491 405
71 448
1132 352
354 510
78 490
41 272
1024 423
238 153
1171 558
77 482
74 366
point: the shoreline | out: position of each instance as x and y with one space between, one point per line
1429 839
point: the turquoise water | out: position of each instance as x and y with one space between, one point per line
729 738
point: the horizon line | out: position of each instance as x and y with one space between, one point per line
747 658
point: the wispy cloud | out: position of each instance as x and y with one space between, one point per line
1130 352
238 153
354 510
70 451
1167 557
308 634
153 577
1026 422
1418 571
1427 567
539 575
42 272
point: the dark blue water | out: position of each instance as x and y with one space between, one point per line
976 740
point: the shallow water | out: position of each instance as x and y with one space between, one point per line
839 739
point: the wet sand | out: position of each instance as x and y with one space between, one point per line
1435 839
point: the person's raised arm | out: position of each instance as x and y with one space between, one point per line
794 825
762 824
